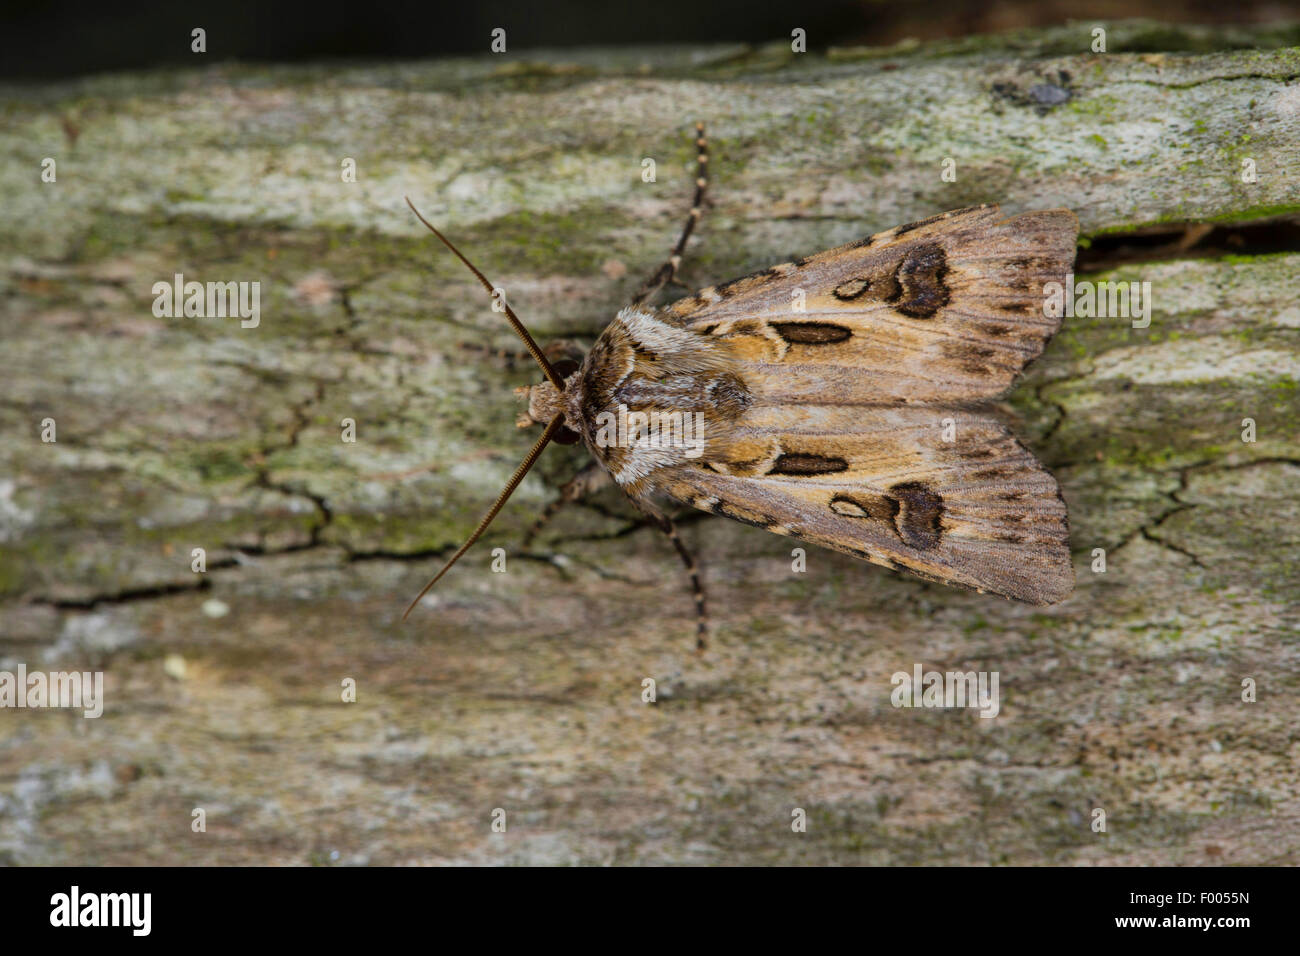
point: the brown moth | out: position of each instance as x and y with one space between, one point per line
842 399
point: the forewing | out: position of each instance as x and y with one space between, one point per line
977 510
947 309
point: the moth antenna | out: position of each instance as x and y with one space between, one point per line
518 326
509 489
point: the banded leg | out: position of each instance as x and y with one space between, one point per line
701 611
588 479
665 524
668 271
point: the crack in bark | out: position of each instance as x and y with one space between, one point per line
1209 79
1189 240
132 595
1148 529
1050 403
262 474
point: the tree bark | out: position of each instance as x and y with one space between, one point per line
523 690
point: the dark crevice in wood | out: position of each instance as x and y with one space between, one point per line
131 594
1190 240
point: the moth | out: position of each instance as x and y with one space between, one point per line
843 399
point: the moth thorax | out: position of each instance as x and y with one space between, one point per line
545 401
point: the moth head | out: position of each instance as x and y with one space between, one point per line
545 402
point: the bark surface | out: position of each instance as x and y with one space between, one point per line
523 690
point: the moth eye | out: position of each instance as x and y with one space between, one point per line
564 368
566 435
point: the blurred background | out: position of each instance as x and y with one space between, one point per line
48 40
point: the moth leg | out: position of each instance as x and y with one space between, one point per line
668 271
588 479
697 589
665 524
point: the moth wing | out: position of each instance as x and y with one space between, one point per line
946 309
884 484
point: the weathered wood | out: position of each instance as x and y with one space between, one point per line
522 690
